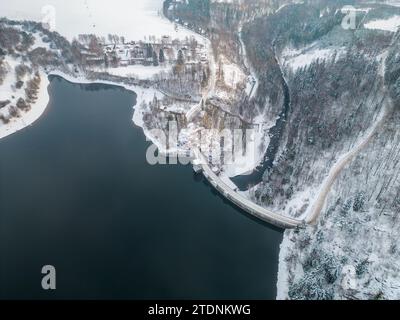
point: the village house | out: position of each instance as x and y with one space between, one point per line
147 53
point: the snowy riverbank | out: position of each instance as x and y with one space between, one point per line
283 272
143 97
29 117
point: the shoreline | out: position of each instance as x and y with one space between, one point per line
28 118
282 283
40 106
143 95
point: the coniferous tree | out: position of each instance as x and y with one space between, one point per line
161 56
155 59
149 51
181 58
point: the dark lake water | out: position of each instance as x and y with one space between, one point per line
76 192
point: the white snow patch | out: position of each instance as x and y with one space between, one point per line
297 59
39 43
244 164
137 71
297 203
391 24
233 75
392 3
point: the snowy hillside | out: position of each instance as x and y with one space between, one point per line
328 97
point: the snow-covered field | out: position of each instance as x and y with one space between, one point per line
297 59
391 24
137 71
244 164
233 74
394 3
133 19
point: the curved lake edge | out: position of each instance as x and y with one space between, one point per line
139 123
209 191
28 118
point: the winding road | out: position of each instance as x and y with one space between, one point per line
277 219
314 213
280 220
